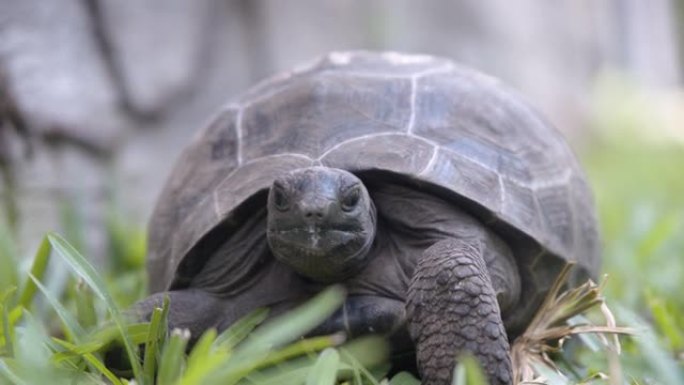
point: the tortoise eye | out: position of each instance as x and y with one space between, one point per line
351 198
280 200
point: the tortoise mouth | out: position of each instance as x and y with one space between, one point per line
321 253
316 240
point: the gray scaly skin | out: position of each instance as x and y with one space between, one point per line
452 309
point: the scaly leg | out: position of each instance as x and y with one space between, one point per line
452 309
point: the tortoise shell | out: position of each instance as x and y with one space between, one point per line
423 120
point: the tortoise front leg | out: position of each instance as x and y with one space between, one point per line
452 309
192 309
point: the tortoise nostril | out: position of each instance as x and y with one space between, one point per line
314 210
313 214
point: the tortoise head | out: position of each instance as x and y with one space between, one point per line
321 222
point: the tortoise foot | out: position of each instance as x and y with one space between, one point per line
452 310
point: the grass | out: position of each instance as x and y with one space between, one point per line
36 351
64 338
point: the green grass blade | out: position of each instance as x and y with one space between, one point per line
468 372
203 360
277 332
92 360
38 268
97 364
6 295
9 275
202 348
237 332
291 372
99 340
324 371
88 273
367 351
7 334
71 327
296 349
294 324
358 369
9 373
288 356
7 321
172 358
86 312
404 378
136 331
82 268
152 342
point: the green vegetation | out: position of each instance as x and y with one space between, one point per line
63 340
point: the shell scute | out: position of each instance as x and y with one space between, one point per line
409 155
469 178
326 109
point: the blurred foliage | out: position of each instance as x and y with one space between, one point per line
635 163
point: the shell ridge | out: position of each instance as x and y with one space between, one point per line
419 74
217 209
201 132
431 162
540 219
563 179
351 140
214 195
414 90
502 193
238 135
369 117
469 159
262 158
259 98
412 117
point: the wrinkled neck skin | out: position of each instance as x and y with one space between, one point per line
321 222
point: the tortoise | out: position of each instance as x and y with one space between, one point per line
442 202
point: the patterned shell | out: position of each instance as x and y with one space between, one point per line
447 129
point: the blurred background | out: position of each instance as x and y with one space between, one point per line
98 97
